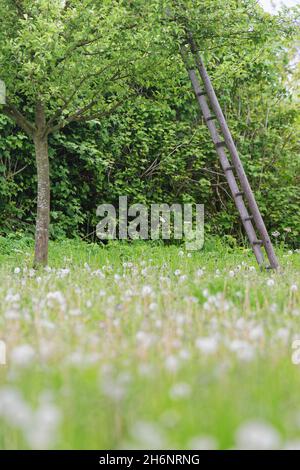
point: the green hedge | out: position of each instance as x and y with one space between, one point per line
157 149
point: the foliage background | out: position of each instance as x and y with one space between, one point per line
156 148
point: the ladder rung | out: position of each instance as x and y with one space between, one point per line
239 194
201 93
229 168
246 219
210 118
258 242
220 144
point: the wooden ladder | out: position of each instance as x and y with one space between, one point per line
233 167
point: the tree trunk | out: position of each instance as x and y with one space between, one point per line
43 191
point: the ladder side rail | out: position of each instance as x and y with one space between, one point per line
237 163
246 220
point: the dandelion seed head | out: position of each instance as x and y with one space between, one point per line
207 345
180 390
257 435
202 443
22 355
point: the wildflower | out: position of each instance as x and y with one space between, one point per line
177 272
145 370
202 443
292 445
13 409
200 272
47 324
171 364
17 270
205 293
283 334
22 355
146 290
115 388
167 280
276 234
231 273
46 349
153 306
99 274
42 433
180 319
270 282
184 354
240 323
273 308
61 273
127 265
12 314
146 339
148 435
54 298
257 435
296 312
190 299
256 333
12 298
208 345
76 312
243 350
180 390
294 288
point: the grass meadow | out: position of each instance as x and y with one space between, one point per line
143 346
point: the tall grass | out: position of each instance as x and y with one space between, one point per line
142 346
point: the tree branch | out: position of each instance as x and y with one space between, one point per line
13 113
80 114
68 100
85 118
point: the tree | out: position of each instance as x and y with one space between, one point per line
63 62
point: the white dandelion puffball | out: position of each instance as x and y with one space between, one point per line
208 345
257 435
22 355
